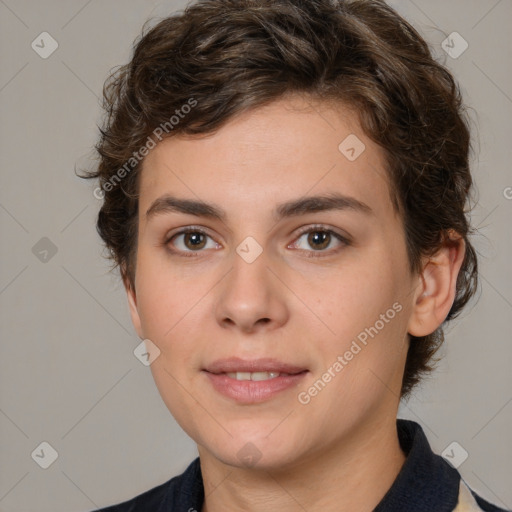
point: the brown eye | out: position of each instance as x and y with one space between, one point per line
194 240
319 239
320 242
190 241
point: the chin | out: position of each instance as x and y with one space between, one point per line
255 451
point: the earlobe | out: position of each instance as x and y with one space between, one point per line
132 304
436 293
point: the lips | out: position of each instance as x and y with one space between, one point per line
253 381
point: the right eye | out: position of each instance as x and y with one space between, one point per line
189 240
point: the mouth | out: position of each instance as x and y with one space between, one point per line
253 381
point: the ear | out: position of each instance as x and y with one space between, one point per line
132 303
436 292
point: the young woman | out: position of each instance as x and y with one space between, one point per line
284 187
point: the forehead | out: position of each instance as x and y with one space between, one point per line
290 148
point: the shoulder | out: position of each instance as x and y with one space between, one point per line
470 501
428 481
181 492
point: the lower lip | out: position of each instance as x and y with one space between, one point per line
253 391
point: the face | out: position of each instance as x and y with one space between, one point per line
316 292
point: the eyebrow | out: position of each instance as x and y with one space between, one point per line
301 206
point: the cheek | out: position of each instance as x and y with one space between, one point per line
171 385
158 306
367 368
163 297
356 299
367 317
171 311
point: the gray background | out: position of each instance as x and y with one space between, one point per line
68 373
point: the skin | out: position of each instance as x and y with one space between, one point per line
340 451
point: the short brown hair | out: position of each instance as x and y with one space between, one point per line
233 55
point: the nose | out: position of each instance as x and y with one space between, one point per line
251 298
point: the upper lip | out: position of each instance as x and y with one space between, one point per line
235 364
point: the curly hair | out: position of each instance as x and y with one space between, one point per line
220 58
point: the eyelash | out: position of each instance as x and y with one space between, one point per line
312 254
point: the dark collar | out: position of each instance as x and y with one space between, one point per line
425 483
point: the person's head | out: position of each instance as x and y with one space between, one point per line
250 104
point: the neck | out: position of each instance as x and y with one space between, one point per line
353 474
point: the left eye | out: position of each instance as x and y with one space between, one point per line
320 239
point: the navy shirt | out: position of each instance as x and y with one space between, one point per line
426 483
